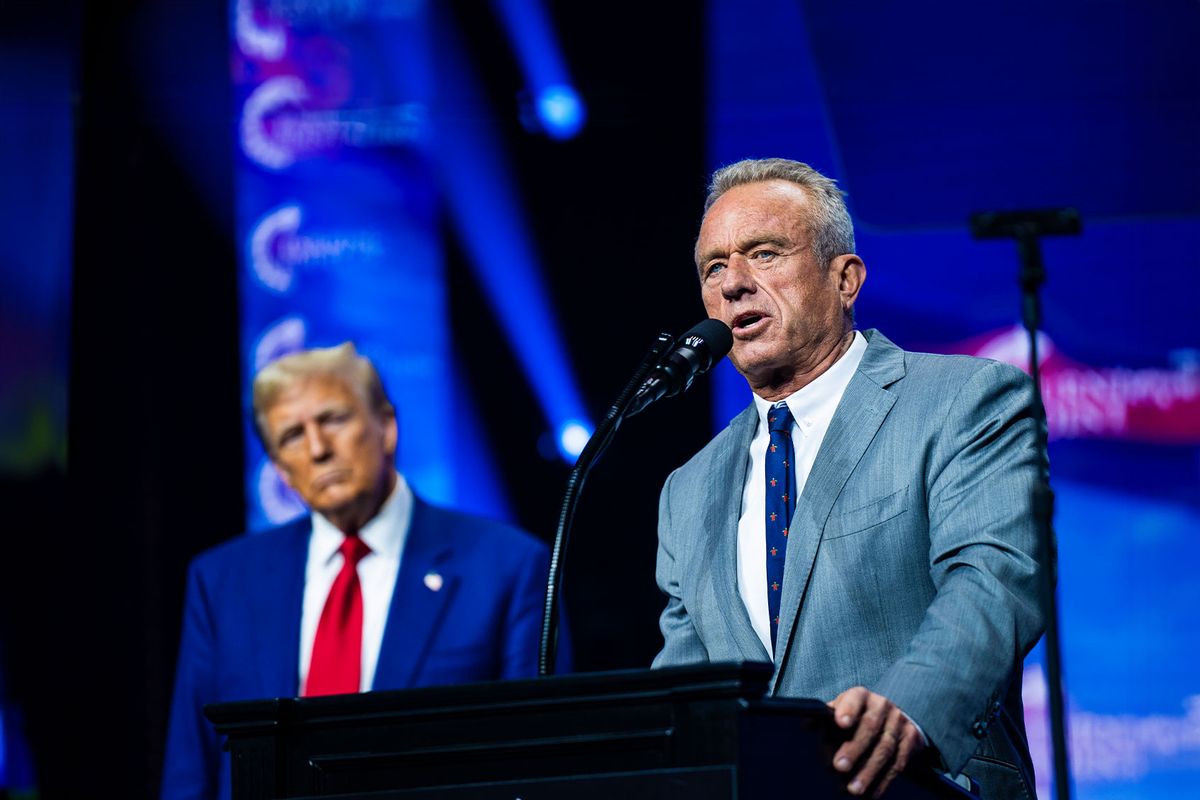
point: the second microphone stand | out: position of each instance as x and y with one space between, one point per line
1025 227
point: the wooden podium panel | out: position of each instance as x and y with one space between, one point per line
695 732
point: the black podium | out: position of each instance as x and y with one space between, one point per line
701 733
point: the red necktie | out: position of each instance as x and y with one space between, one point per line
336 664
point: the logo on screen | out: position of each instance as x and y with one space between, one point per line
285 336
267 42
277 247
1082 401
279 127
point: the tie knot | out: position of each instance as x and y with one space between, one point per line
353 549
779 419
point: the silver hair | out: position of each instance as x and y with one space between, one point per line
831 228
341 362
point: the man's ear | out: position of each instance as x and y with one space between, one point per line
851 274
391 434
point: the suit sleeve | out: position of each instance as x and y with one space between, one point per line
681 645
984 564
192 751
524 624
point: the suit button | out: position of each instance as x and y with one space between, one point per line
995 709
979 729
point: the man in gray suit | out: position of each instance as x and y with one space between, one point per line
904 588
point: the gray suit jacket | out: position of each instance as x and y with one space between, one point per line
912 561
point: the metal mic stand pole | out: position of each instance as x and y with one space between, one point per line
1025 227
548 647
1033 274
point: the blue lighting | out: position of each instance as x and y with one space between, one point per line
479 190
561 111
362 262
573 436
559 108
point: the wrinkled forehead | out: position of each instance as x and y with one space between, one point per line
310 393
750 213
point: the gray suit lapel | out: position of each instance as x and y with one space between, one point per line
721 517
860 413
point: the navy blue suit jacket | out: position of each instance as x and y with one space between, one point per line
241 625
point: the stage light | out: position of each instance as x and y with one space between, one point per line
557 106
573 436
481 195
560 111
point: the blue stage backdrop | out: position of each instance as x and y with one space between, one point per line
338 218
360 128
927 112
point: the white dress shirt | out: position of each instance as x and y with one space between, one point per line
812 410
385 534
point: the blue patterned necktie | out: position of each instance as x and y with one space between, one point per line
781 502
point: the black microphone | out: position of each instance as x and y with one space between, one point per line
691 354
694 353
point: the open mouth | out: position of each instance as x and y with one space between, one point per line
745 321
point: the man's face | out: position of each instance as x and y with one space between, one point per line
759 276
332 448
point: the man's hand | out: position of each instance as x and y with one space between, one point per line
883 740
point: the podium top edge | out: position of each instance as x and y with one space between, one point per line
741 680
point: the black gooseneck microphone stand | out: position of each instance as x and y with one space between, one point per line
595 447
667 370
1025 227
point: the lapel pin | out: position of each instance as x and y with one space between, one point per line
433 581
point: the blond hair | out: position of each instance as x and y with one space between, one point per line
343 362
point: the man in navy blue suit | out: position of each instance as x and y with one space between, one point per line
432 596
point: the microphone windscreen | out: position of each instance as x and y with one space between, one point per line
711 335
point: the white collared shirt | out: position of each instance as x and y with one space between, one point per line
385 534
812 410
